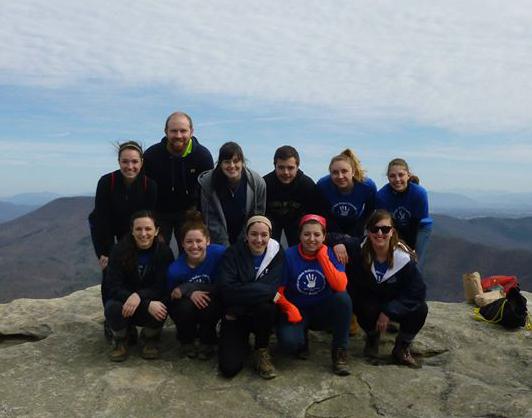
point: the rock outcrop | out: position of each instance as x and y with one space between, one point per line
53 362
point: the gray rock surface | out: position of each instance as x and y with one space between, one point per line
53 363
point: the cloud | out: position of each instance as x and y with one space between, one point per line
463 66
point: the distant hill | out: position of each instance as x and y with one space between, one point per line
9 211
503 233
48 252
449 257
474 204
31 199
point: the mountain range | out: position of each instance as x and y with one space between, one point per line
48 252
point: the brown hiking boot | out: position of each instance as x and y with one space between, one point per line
371 348
402 355
263 364
149 350
340 362
119 352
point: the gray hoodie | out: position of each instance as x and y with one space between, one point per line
211 206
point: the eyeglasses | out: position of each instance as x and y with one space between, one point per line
385 229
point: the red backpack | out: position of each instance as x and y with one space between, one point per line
506 282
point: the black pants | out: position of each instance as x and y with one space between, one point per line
170 223
141 317
291 231
104 287
234 336
192 322
367 310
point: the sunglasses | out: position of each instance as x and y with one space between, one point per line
385 229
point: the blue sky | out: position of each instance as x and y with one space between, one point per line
447 86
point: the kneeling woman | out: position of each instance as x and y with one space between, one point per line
249 276
313 294
137 286
385 285
194 304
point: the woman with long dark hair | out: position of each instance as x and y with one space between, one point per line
230 194
119 194
386 285
137 286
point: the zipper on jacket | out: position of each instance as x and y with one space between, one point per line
173 174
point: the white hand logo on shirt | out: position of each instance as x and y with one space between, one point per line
311 280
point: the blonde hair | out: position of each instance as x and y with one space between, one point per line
350 158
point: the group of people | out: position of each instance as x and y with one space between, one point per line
351 250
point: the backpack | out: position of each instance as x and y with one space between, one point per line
510 312
505 282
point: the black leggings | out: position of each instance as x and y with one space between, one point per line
141 317
191 321
234 336
367 310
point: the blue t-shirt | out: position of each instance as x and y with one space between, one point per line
409 209
257 261
205 273
144 260
351 209
410 205
304 280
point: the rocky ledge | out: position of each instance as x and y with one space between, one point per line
53 362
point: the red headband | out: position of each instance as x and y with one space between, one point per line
311 217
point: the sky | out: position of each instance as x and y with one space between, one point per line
445 85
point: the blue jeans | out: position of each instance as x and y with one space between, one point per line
422 240
332 313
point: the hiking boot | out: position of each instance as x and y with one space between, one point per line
148 340
340 362
150 351
205 351
353 326
189 350
119 352
371 348
263 364
402 355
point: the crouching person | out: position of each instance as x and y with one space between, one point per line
385 284
137 286
194 302
313 295
249 275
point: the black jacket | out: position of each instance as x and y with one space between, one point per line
113 206
402 291
287 203
236 277
176 177
120 284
